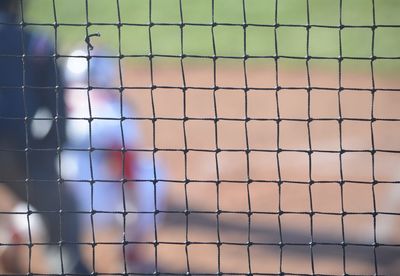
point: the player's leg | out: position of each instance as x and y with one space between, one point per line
145 198
17 230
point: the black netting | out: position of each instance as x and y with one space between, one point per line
213 137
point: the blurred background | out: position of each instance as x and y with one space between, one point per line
294 196
229 39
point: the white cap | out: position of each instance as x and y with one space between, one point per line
103 69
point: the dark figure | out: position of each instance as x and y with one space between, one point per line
32 129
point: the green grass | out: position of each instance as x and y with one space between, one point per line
229 40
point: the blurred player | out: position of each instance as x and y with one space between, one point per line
95 163
31 111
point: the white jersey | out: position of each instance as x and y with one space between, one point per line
106 134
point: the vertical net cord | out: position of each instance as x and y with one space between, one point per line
59 181
185 150
124 149
154 120
278 120
217 150
246 121
340 121
27 144
59 143
91 149
373 151
310 148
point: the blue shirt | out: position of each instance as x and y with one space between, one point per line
28 82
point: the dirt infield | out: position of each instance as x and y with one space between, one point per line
294 197
293 217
